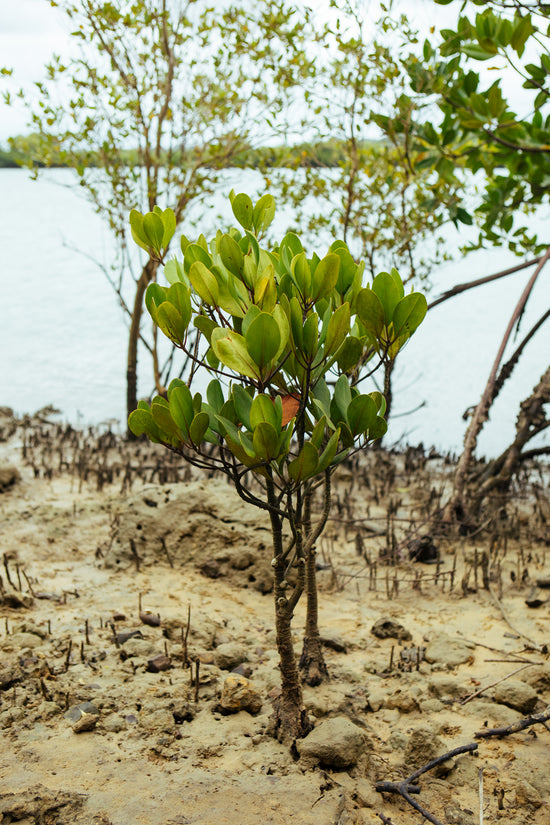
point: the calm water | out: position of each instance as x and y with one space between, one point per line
63 336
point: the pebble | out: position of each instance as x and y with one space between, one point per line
517 695
230 655
449 652
239 694
387 627
334 743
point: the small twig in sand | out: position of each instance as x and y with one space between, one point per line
480 796
407 787
493 684
526 722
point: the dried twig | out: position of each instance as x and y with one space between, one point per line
526 722
493 684
407 787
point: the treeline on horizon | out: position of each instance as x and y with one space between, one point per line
21 152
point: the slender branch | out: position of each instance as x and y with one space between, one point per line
522 724
456 290
407 787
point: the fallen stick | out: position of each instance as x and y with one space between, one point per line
494 684
407 787
526 722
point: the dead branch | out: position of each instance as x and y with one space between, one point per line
407 787
526 722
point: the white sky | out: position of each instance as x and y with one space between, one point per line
31 31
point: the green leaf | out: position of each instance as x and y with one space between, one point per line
214 394
371 311
154 230
386 289
378 428
409 313
204 283
325 277
310 336
362 413
195 252
338 328
302 274
171 323
263 339
305 465
141 422
263 214
265 441
243 210
263 410
138 232
242 402
160 411
231 255
169 223
180 402
319 432
296 323
230 348
205 325
155 295
198 427
329 452
178 296
379 400
349 354
342 396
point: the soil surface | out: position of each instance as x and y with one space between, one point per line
117 591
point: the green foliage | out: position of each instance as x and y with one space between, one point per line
266 353
479 130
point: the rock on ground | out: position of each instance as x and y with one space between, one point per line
335 743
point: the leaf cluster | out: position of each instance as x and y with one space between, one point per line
283 333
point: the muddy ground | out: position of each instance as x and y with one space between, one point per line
108 550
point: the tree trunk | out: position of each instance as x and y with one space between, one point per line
147 275
290 719
456 508
312 662
531 420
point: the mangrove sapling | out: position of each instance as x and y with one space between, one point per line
274 325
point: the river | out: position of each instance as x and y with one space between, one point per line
63 337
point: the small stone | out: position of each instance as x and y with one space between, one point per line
242 559
387 628
423 746
11 715
22 641
211 569
527 795
239 694
30 627
161 719
84 716
138 647
402 699
334 743
46 710
456 816
333 641
445 687
9 675
114 724
517 695
9 477
448 651
376 697
159 663
227 656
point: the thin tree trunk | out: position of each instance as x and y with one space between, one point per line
531 420
456 506
290 716
312 662
147 275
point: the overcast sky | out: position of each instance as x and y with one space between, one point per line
31 31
